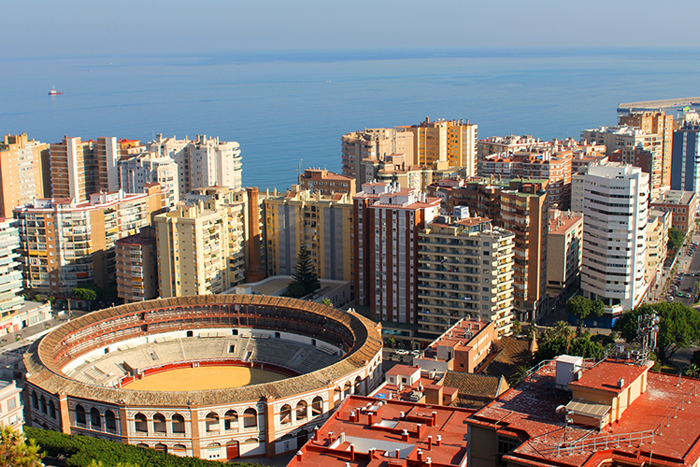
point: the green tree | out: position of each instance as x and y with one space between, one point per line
679 327
85 293
517 328
518 375
15 451
326 301
304 273
581 308
675 239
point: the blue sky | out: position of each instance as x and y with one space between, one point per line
100 27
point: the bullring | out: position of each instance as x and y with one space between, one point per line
78 375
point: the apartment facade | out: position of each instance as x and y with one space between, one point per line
388 220
660 124
326 183
202 162
141 169
565 250
21 172
616 207
11 283
137 266
465 271
323 223
683 206
11 408
373 144
200 244
68 244
82 168
657 244
685 173
446 143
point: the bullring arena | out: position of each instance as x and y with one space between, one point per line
215 376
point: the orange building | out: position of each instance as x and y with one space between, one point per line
660 124
326 183
21 175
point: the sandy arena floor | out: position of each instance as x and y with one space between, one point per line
208 377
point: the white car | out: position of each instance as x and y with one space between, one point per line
402 352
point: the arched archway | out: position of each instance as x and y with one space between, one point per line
250 418
95 419
80 417
161 447
302 410
178 422
316 406
286 414
159 423
140 423
233 450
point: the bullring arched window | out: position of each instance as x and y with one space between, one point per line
141 423
212 422
316 406
178 423
286 414
80 415
250 418
159 423
110 421
230 420
95 419
42 404
52 409
302 410
161 447
35 401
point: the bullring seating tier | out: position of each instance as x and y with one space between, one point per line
107 370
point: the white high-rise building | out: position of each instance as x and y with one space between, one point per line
137 171
616 205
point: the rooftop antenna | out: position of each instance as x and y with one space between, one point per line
647 328
299 172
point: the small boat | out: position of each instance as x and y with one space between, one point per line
53 91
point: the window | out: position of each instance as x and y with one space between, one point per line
159 423
110 421
285 414
178 423
140 423
95 419
212 422
505 445
80 418
302 410
250 418
230 420
316 407
11 403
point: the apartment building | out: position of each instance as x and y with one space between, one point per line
657 244
325 182
137 266
660 124
201 243
202 162
68 244
11 281
11 408
324 223
564 250
616 210
627 140
445 143
142 168
21 172
683 206
465 268
551 164
685 172
388 220
82 168
373 144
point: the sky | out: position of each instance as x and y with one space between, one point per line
32 28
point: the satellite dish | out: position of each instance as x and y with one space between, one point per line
561 409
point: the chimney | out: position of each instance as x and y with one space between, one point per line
621 383
428 462
330 436
316 433
371 418
430 443
404 436
352 452
439 440
398 453
434 419
420 455
299 456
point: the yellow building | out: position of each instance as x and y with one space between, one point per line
21 178
201 243
658 226
446 143
323 223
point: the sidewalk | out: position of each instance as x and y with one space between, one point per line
31 333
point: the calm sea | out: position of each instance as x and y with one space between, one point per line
287 107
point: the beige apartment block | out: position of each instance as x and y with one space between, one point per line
565 250
658 224
11 405
326 183
324 223
466 271
373 144
201 243
660 124
137 266
21 175
68 244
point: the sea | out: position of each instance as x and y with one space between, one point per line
289 109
